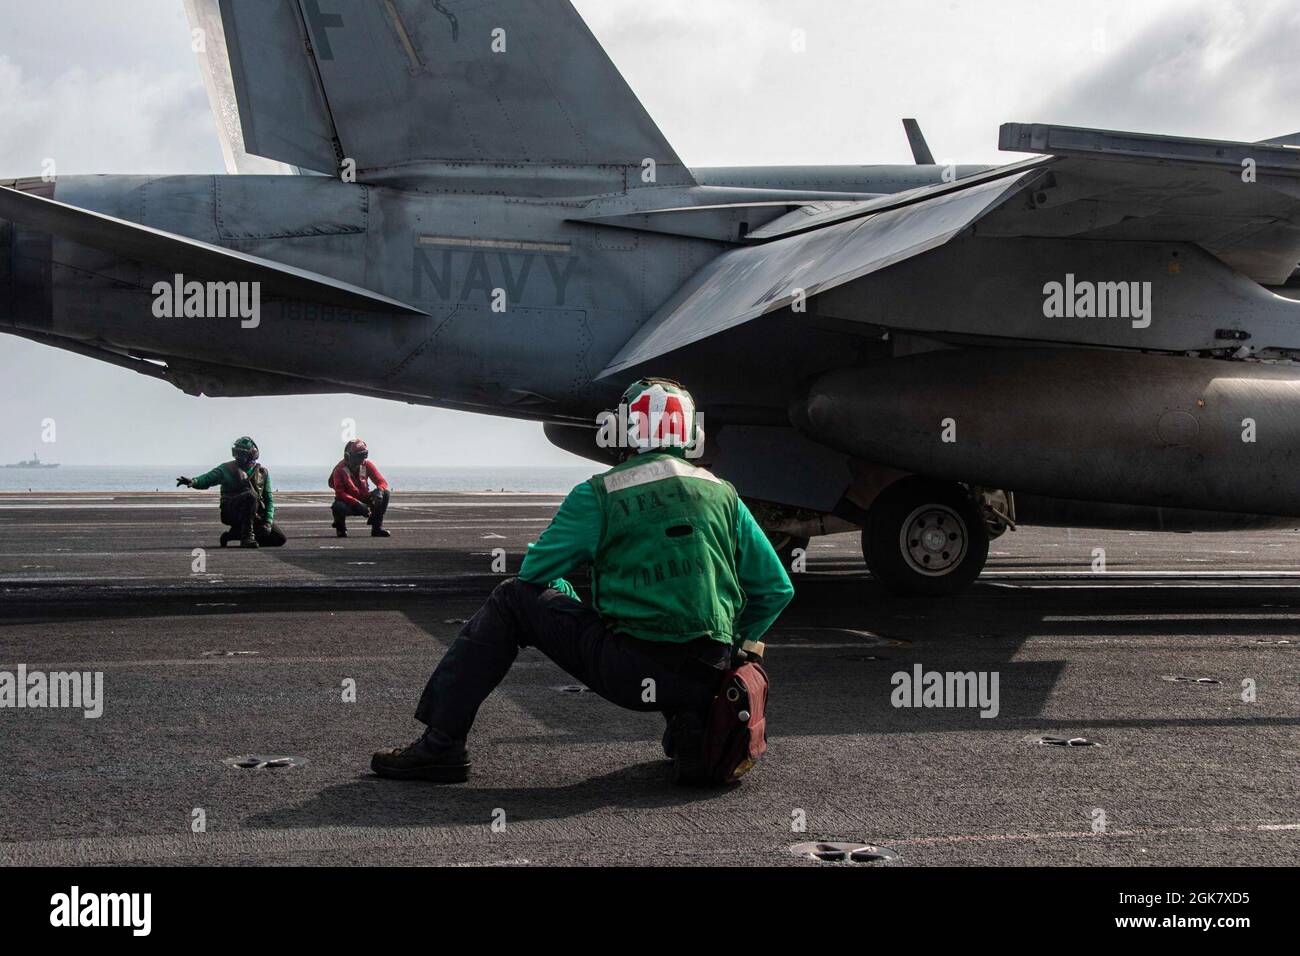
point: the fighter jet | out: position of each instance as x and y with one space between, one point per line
461 203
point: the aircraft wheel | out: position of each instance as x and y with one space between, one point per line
785 545
925 538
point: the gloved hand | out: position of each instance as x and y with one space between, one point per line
564 587
365 509
187 482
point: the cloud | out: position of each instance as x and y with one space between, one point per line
121 121
722 80
688 60
1214 69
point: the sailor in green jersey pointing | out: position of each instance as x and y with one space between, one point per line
247 501
681 575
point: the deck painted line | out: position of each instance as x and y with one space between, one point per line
1103 575
1158 617
1153 585
279 505
1087 834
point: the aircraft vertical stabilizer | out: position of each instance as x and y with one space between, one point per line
405 87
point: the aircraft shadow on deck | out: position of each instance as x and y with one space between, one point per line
832 654
373 802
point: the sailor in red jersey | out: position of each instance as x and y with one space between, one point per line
351 482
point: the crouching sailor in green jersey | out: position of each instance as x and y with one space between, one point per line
681 576
247 501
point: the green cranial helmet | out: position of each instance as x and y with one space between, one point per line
245 450
660 416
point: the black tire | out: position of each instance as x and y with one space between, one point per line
785 545
925 538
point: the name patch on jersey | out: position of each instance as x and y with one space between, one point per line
656 470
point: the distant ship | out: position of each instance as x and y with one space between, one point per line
34 463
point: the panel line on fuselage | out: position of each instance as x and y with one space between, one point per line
518 245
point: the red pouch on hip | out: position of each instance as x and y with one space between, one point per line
735 733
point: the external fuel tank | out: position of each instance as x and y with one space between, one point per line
1089 424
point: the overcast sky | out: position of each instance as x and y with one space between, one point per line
111 86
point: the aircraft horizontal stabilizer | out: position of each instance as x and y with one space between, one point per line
743 284
188 256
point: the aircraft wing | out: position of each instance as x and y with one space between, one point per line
1238 201
190 256
393 83
806 255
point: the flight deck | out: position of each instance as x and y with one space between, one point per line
1146 714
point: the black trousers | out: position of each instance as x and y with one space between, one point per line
240 512
636 674
378 507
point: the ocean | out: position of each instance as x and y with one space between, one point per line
550 479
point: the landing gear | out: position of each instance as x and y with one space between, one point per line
925 538
785 546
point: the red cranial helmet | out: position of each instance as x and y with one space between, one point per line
356 451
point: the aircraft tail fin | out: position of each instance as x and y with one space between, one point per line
209 43
408 88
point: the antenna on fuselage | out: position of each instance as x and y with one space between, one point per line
916 139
